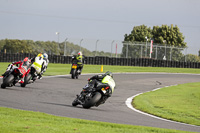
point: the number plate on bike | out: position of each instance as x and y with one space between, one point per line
74 66
103 90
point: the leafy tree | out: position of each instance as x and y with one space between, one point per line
199 53
138 34
192 58
164 37
2 43
49 47
17 46
169 37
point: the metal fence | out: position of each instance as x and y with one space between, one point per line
154 51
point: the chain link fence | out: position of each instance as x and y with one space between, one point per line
155 51
120 49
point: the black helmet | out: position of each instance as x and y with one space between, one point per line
109 74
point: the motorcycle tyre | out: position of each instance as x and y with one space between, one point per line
92 101
75 102
77 76
26 80
3 86
73 73
7 81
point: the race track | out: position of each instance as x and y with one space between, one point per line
54 95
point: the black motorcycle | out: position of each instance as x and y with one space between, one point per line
92 95
75 70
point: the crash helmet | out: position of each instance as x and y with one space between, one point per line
80 53
40 55
45 55
26 61
109 74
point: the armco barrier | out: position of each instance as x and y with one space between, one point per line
100 60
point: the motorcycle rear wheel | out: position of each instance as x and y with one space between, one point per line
91 102
73 73
26 80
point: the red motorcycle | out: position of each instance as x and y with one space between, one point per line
13 76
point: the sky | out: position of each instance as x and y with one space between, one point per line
92 20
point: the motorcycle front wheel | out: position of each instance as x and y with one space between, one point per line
3 86
75 102
92 101
7 81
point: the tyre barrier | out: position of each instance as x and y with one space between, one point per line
102 60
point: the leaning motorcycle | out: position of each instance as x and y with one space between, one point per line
75 71
30 77
93 96
12 76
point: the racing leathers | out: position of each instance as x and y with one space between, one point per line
103 81
38 64
44 68
23 68
80 62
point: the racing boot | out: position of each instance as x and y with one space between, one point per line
39 76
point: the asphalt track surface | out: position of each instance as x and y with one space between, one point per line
54 95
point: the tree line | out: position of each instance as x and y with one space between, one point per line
50 47
164 35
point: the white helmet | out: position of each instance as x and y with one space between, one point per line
45 55
80 53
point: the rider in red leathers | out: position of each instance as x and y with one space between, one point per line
23 67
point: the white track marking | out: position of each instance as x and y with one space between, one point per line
129 105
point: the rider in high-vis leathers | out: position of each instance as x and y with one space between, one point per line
104 81
80 61
38 63
44 68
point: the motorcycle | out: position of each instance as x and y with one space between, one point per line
75 71
30 77
12 76
93 95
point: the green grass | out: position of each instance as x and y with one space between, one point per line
17 121
179 103
63 69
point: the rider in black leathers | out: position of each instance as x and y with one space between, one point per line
96 80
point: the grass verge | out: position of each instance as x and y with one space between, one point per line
19 121
179 103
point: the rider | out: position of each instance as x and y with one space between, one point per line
104 81
44 68
80 60
38 63
23 67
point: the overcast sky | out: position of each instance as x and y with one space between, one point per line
96 19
